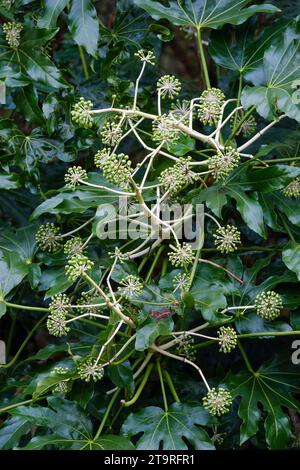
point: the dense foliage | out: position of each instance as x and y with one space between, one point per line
149 342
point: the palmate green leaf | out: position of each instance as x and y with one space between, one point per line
287 206
11 432
243 50
202 13
275 79
20 242
208 299
166 429
12 272
291 257
26 99
62 417
148 333
54 281
83 25
53 9
272 388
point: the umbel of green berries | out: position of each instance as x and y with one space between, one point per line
81 113
227 339
268 305
74 246
246 127
292 189
56 324
164 128
181 255
111 132
77 266
12 31
89 371
227 239
168 86
132 287
175 178
60 303
48 238
74 176
116 167
223 163
217 401
210 106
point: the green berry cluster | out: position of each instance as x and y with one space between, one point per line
217 401
168 86
60 303
164 129
223 163
182 282
227 239
74 175
78 265
74 246
292 189
131 287
81 113
181 255
245 127
12 31
227 339
89 371
146 56
268 305
6 4
101 156
56 324
185 347
210 106
175 178
116 169
111 132
87 298
48 238
180 110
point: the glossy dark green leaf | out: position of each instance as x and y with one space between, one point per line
148 333
11 432
9 181
250 209
53 9
272 388
83 25
122 375
291 257
168 430
199 14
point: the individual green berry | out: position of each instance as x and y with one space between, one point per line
227 339
74 176
223 163
210 106
60 303
73 247
227 239
146 56
56 324
217 401
268 305
131 287
89 371
48 238
292 189
164 129
12 31
168 86
181 255
111 132
81 113
77 266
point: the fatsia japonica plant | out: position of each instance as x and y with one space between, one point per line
150 240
